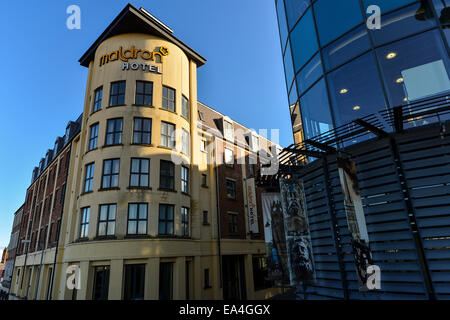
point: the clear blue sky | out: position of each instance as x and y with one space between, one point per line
42 85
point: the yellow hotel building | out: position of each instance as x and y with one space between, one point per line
120 210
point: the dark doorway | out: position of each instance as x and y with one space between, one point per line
101 283
233 278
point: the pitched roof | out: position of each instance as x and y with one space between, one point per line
133 20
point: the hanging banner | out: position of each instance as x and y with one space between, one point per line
251 206
274 237
298 239
355 219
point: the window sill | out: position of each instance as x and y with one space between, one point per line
87 192
185 193
167 190
117 105
112 145
93 112
138 188
142 105
204 186
174 112
137 236
207 287
185 118
100 238
81 240
167 148
172 236
143 144
93 149
206 224
108 189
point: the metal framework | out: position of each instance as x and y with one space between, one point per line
404 178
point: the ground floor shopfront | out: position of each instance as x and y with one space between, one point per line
144 270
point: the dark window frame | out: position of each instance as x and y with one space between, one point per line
97 105
89 168
119 95
110 175
168 177
229 195
140 133
138 219
108 219
185 222
165 220
84 222
144 94
115 133
185 179
140 173
93 140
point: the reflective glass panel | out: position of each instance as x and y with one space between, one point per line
387 5
288 67
418 70
402 23
316 111
309 74
294 10
334 18
303 40
282 22
355 90
346 48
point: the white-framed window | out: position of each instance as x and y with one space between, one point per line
167 132
229 157
228 130
185 143
185 107
203 145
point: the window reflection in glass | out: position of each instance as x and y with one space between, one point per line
309 74
294 10
304 40
293 94
336 17
346 48
415 68
355 90
316 111
402 23
296 117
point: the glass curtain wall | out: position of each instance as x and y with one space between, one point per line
338 70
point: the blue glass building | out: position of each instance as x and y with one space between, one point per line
338 70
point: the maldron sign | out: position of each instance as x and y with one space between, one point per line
156 55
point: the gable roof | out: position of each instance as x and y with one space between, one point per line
133 20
